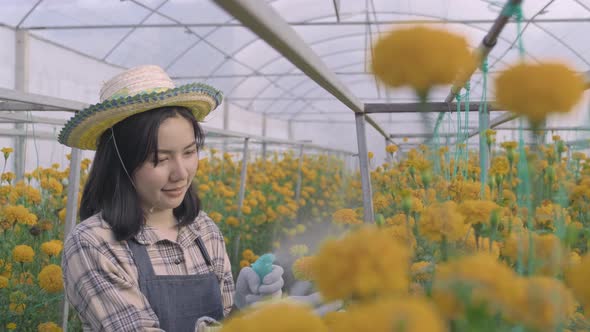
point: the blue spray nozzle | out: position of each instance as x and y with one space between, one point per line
263 265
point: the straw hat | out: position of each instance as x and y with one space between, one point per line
134 91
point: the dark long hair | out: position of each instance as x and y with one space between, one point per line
109 189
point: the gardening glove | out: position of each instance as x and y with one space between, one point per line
316 302
250 290
313 300
207 324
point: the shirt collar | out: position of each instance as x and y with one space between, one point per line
186 235
147 235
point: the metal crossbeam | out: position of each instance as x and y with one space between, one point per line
22 133
30 119
295 23
417 107
46 101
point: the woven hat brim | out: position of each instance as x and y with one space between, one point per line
83 130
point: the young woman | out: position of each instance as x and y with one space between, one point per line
145 257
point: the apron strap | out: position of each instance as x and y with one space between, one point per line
142 260
144 264
204 251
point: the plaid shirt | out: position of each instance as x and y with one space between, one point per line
101 279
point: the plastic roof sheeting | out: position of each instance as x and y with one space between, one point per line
194 40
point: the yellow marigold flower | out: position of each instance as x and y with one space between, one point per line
232 221
299 250
511 145
85 163
279 316
345 217
302 268
391 148
549 255
49 327
23 254
548 214
50 279
478 211
19 214
248 254
536 90
30 194
471 246
8 177
404 235
422 271
380 202
500 166
17 308
412 314
52 248
577 277
442 220
203 188
244 263
216 216
3 282
578 156
246 210
7 152
62 215
399 219
508 197
374 264
420 57
460 190
52 185
487 280
11 326
546 304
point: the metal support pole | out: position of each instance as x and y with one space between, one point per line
243 174
299 177
290 130
388 157
264 135
225 123
361 138
484 164
21 83
71 212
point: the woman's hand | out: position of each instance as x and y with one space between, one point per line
250 290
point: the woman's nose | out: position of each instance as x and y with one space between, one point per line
179 171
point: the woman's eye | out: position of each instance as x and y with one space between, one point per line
188 153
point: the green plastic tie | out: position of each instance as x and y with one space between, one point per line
483 110
466 130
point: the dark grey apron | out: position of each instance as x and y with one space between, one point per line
178 300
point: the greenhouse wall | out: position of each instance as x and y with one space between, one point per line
7 58
58 72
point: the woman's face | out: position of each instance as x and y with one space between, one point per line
163 186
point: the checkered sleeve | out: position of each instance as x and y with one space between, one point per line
103 298
228 287
213 237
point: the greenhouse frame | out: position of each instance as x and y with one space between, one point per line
293 75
